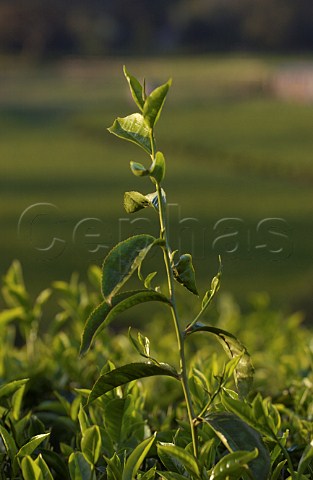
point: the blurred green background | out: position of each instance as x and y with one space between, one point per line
236 131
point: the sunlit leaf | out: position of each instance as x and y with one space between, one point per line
135 88
136 458
30 470
32 444
135 201
233 465
154 104
122 261
138 169
157 170
8 389
127 373
186 459
104 313
135 129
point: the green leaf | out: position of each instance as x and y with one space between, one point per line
83 420
184 273
215 286
236 435
178 453
135 88
46 474
79 468
171 476
135 201
17 399
33 443
138 169
127 373
233 348
245 411
9 443
30 470
114 467
104 313
154 104
9 388
306 458
170 462
91 444
135 129
122 261
157 169
136 458
276 474
141 344
233 466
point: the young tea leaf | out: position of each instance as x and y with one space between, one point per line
135 88
138 169
32 444
154 104
91 444
157 169
136 458
122 261
186 459
184 273
233 348
10 388
127 373
233 466
134 129
30 470
104 313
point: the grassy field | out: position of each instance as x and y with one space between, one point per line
232 149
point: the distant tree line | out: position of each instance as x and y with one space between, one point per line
41 29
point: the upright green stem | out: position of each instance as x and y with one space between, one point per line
179 334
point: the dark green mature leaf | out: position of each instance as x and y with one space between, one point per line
127 373
233 465
122 261
184 273
157 170
233 348
136 458
135 129
306 458
79 468
154 104
187 460
135 201
135 88
237 435
8 442
104 313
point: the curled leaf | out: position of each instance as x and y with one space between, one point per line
184 273
135 201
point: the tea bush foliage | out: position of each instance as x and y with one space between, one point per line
232 401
